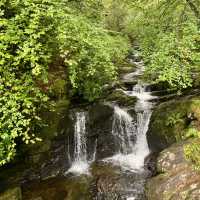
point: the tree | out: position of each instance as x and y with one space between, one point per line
35 33
168 33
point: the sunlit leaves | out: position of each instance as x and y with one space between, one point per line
88 51
167 35
35 33
24 57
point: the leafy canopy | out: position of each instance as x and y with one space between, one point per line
35 33
169 37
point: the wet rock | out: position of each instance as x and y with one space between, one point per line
135 56
106 184
30 175
99 138
121 98
150 164
126 67
57 125
11 194
37 198
128 84
98 112
177 178
71 188
158 87
99 134
111 182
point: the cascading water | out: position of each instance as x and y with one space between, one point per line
80 164
121 176
132 135
123 129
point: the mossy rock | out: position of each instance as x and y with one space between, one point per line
11 194
121 98
54 120
177 178
71 188
171 120
126 67
58 89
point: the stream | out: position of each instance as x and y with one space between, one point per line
102 153
128 159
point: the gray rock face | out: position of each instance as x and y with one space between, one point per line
177 179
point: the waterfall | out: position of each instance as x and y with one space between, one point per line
123 129
132 135
80 164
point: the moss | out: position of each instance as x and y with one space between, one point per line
100 169
192 153
78 189
58 89
53 117
121 98
60 188
11 194
126 67
171 120
53 126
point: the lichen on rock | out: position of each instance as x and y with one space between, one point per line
177 178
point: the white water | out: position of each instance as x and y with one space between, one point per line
80 165
130 135
123 129
138 72
132 154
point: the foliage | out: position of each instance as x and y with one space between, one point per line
192 153
90 60
116 14
192 150
35 33
24 58
173 119
191 132
168 32
174 60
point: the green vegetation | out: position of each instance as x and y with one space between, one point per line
192 153
39 39
176 121
171 43
169 37
57 49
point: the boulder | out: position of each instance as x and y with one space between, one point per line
100 127
171 121
62 188
177 178
121 98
